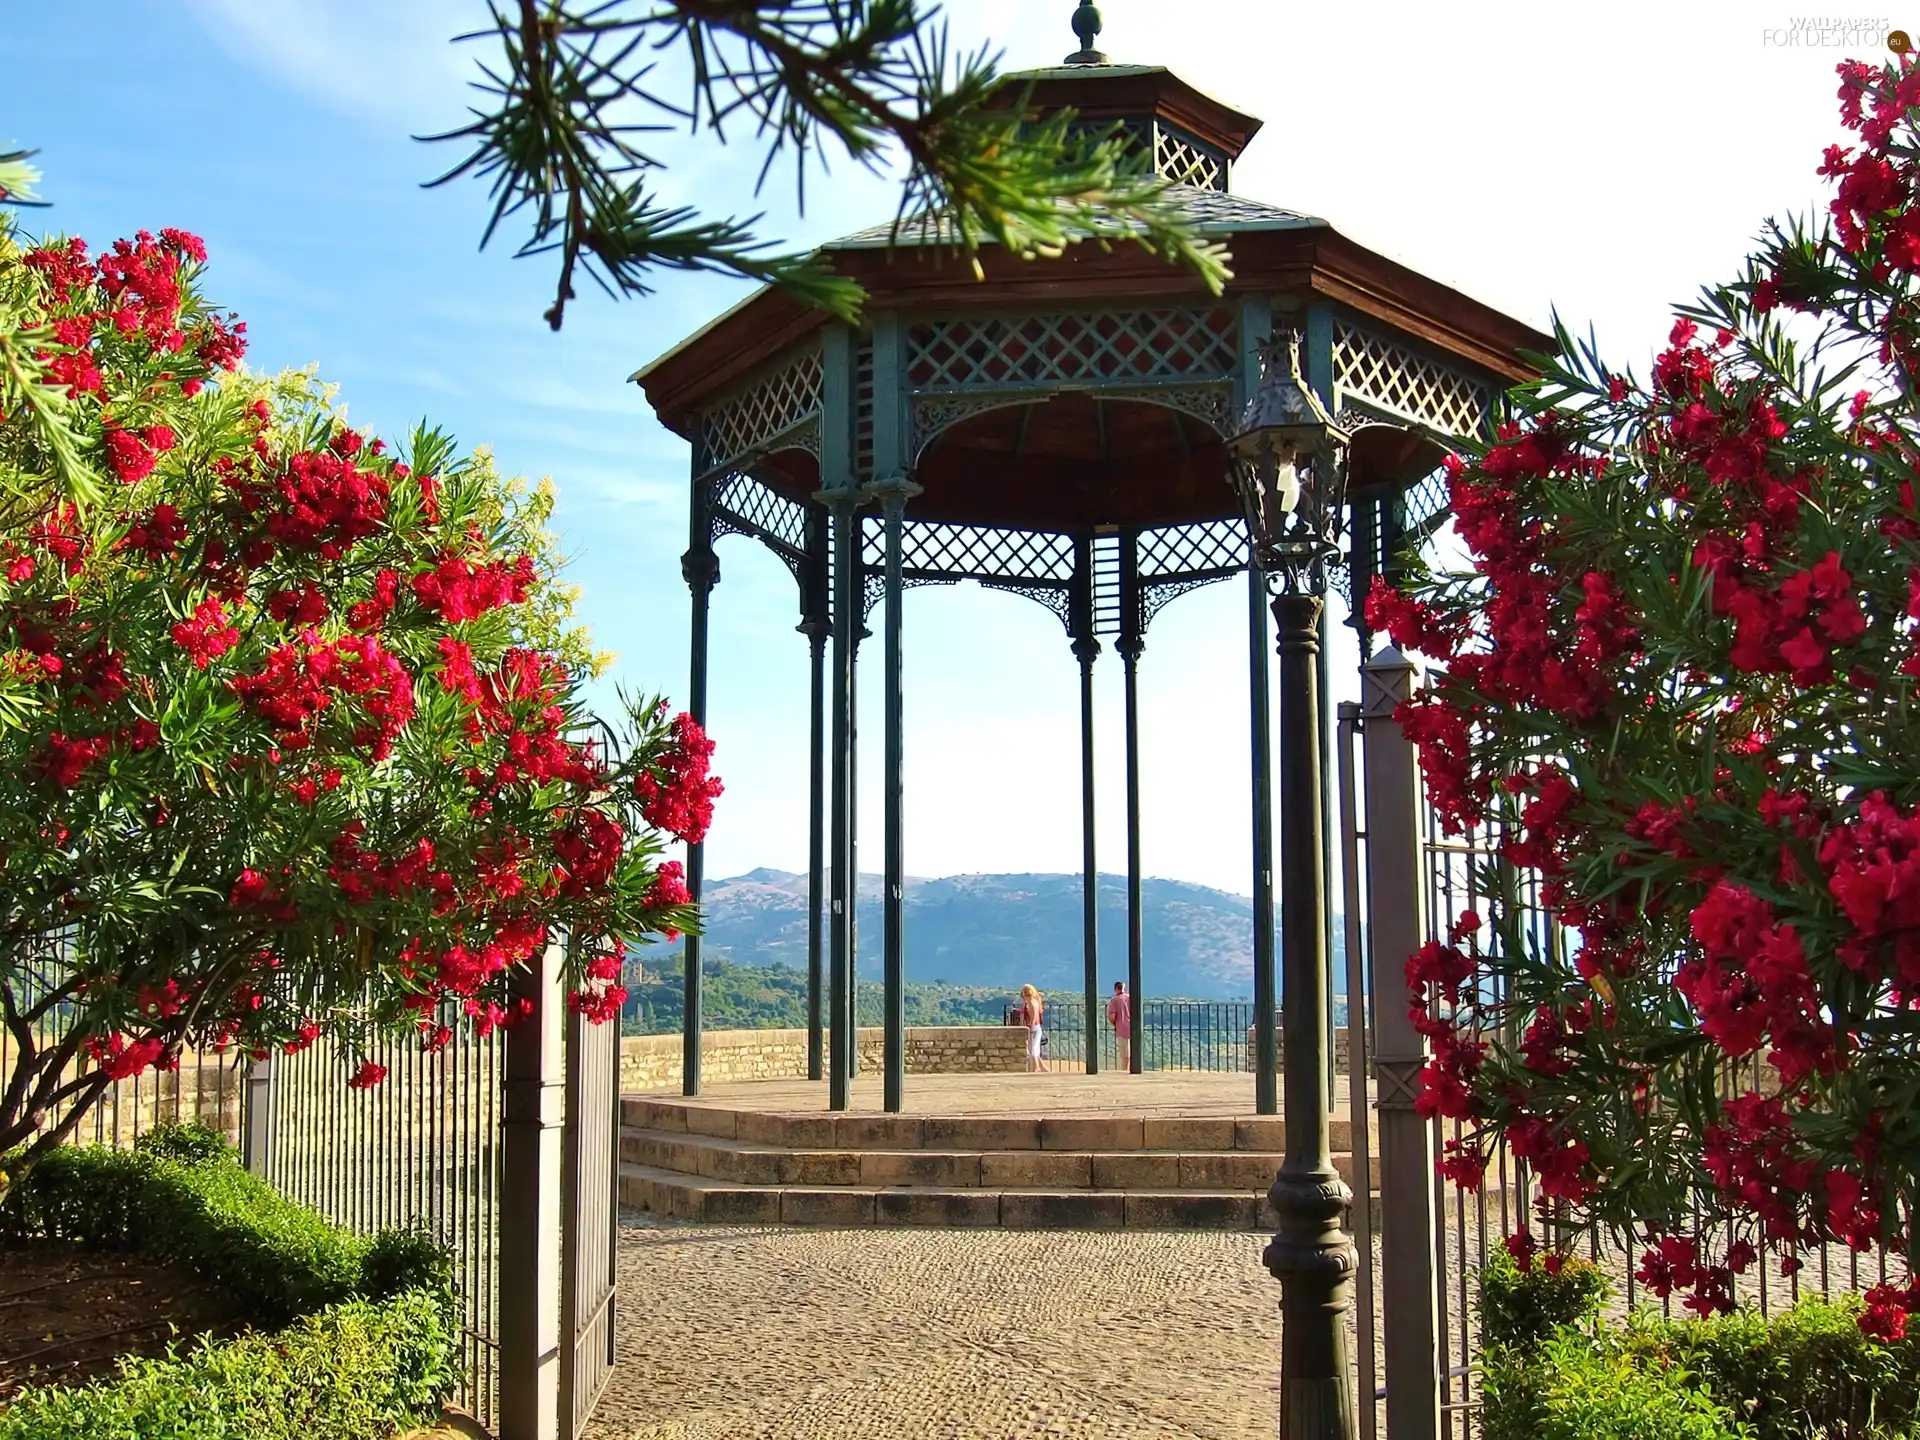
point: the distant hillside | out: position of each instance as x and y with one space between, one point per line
996 932
774 997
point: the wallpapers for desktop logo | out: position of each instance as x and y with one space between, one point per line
1837 32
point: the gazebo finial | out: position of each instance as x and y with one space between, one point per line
1086 24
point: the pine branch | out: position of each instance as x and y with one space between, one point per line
814 78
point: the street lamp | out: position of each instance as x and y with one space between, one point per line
1290 469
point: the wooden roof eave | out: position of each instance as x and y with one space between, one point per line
1310 259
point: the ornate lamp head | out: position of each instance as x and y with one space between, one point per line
1288 467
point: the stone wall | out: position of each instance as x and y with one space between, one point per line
652 1062
1340 1064
206 1088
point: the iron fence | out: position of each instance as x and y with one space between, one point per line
203 1087
1215 1035
423 1147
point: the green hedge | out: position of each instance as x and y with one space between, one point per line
371 1338
1553 1371
1522 1308
354 1371
1576 1387
182 1197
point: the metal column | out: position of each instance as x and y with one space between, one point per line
893 496
892 487
1085 649
1256 329
853 815
816 627
1132 642
701 569
840 498
1266 1099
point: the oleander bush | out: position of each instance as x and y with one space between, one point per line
1677 665
294 734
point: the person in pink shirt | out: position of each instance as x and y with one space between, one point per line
1120 1016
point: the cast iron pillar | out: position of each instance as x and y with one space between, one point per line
853 821
1132 642
893 495
701 569
1086 648
840 497
1311 1256
1266 1100
816 627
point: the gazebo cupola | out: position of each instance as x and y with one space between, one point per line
1054 428
1192 138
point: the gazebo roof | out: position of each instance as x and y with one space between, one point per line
912 268
1211 212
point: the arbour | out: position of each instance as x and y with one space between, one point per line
1053 427
291 733
1679 681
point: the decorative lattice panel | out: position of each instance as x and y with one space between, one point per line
1407 384
975 552
782 404
1186 160
1181 157
1182 552
1089 348
742 505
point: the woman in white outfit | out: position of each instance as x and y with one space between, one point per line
1030 1001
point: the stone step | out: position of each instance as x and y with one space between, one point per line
863 1130
744 1163
693 1198
719 1202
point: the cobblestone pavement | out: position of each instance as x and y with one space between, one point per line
949 1335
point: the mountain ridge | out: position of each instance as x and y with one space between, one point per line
1004 930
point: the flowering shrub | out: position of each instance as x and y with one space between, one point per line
292 741
1679 687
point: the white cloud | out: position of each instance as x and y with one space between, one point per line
367 59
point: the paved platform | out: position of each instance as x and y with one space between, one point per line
1159 1092
732 1334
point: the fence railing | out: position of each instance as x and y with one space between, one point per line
1216 1035
422 1147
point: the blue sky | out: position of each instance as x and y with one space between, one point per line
1534 156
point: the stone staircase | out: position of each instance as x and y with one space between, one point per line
694 1160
